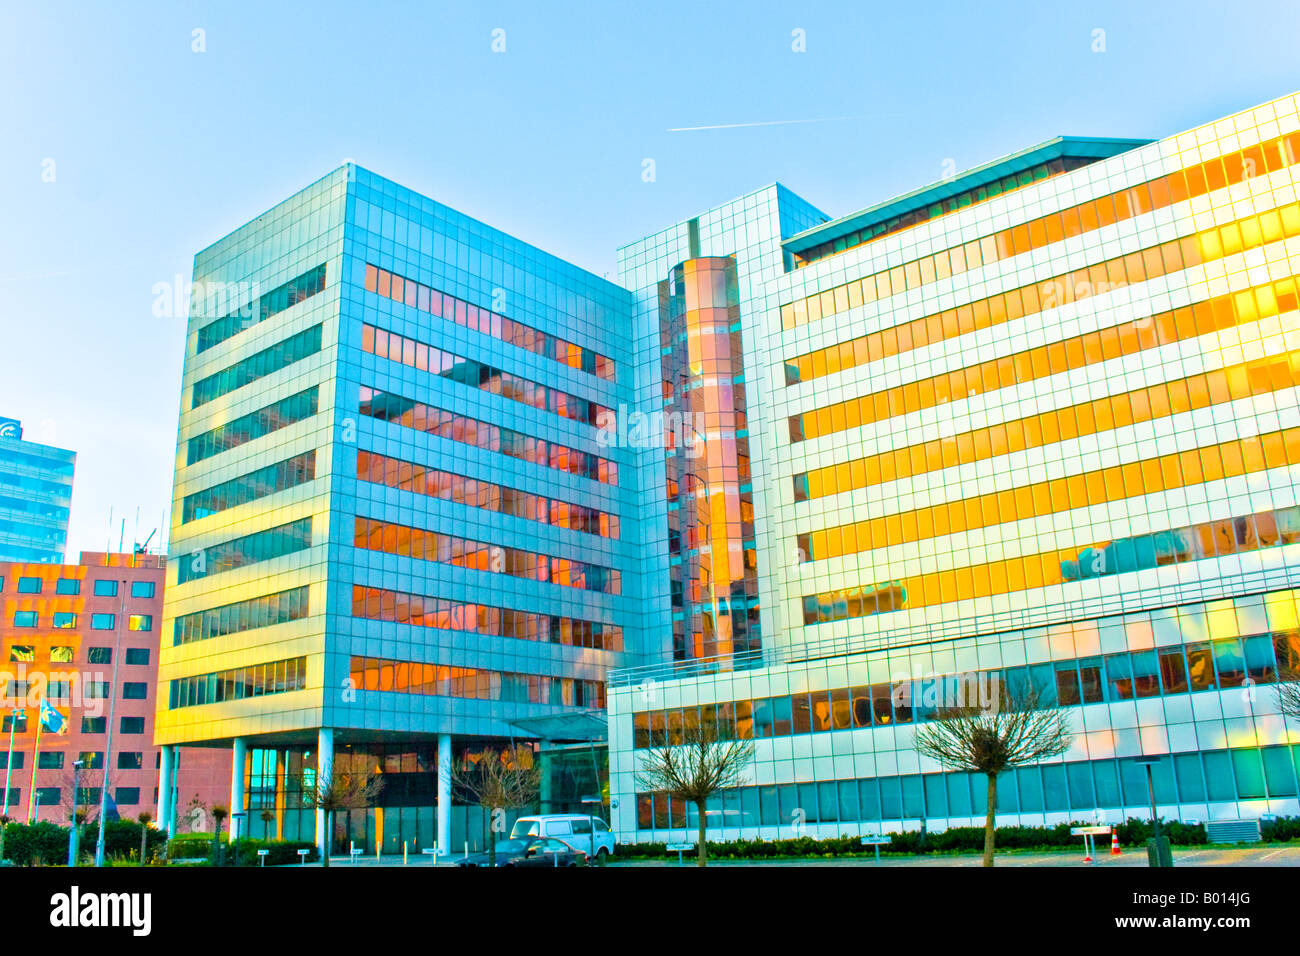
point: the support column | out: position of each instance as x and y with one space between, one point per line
544 759
238 756
165 788
444 794
173 791
279 793
324 771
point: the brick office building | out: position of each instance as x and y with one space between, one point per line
85 637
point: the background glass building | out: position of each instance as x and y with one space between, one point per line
35 497
1037 422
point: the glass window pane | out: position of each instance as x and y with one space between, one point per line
1229 663
913 797
1079 777
1191 785
1119 676
1279 772
1219 781
1106 780
869 799
1146 683
1173 671
1248 771
1055 794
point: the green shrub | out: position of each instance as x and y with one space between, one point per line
41 843
282 852
1281 829
122 839
1136 832
1132 832
47 843
191 846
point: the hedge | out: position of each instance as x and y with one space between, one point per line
198 846
47 843
282 852
1132 832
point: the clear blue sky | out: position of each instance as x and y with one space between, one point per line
158 150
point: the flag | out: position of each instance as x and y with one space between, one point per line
110 810
51 719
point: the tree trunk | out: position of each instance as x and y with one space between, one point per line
701 854
990 820
492 844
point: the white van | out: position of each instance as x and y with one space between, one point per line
574 829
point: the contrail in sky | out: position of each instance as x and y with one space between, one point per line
824 119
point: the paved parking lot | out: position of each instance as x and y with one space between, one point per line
1266 855
1269 855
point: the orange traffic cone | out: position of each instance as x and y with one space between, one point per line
1114 844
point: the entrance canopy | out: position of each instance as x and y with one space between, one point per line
582 726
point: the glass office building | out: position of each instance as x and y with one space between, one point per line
35 496
397 527
1033 426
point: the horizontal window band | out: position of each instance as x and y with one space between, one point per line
1149 476
1259 377
1080 219
475 493
1129 338
466 314
1209 539
1168 258
475 374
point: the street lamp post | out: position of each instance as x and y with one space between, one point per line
74 833
1158 851
591 818
236 827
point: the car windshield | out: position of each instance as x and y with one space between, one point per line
510 847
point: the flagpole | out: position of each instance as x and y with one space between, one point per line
36 759
9 767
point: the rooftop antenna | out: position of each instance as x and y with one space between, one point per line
121 538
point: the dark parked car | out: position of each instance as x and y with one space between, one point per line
533 851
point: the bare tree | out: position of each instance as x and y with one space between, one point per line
708 760
342 789
498 781
1019 731
1288 698
71 784
195 817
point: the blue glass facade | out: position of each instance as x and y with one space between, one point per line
397 521
35 495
